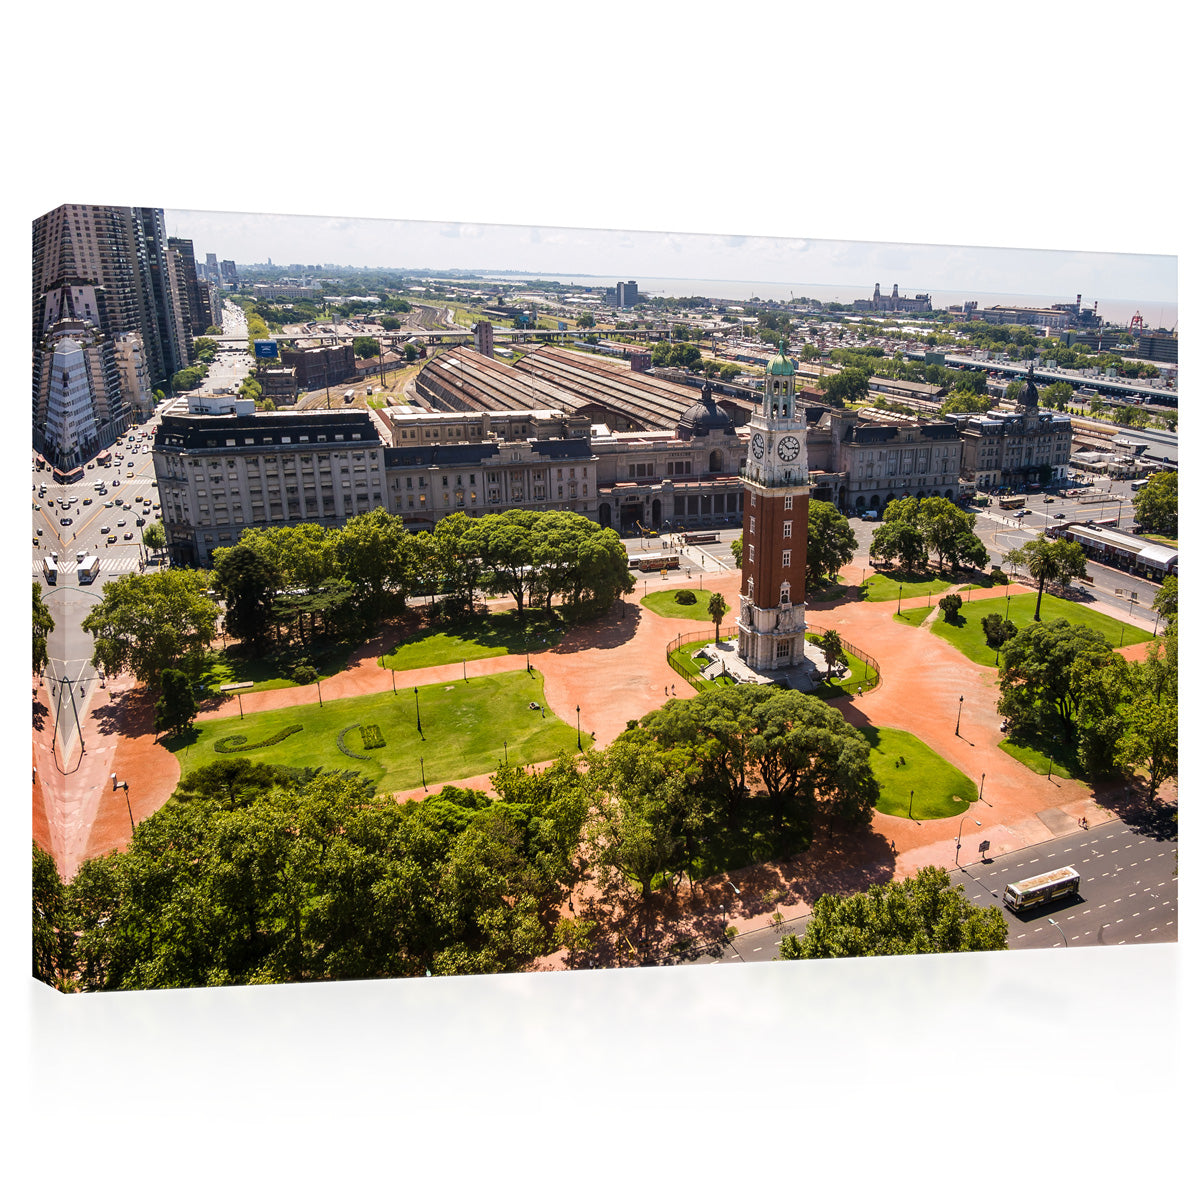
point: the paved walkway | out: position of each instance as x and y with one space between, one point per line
616 670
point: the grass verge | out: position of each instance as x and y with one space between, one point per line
967 636
906 767
475 637
664 604
1044 758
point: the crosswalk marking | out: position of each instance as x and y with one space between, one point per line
111 566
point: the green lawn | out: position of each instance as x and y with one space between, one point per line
1044 758
968 637
466 725
476 637
903 763
908 585
269 672
683 662
663 603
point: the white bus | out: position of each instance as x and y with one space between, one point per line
50 570
1041 889
87 569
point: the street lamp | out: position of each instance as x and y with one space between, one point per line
898 599
124 786
423 783
1059 928
958 838
958 719
578 735
910 796
393 681
320 702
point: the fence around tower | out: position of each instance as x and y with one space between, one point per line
873 674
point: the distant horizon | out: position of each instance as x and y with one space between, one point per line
609 254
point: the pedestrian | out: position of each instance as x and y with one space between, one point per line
860 689
664 691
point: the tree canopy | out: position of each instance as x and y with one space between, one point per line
925 914
1156 506
145 623
254 874
831 543
849 386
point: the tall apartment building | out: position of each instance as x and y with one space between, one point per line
115 260
78 406
130 354
229 275
195 300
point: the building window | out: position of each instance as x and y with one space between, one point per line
751 524
787 503
787 529
787 558
750 552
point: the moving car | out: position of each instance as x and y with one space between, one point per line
106 529
112 537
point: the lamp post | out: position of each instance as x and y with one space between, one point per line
1059 928
958 719
981 779
417 698
241 715
124 786
910 796
320 702
578 734
898 598
393 681
958 839
423 783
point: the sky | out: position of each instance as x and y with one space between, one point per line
441 245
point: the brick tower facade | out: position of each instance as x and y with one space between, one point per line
774 527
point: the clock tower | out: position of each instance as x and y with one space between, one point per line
774 527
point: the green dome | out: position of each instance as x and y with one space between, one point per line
780 364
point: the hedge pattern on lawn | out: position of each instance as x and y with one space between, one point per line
372 737
235 743
341 743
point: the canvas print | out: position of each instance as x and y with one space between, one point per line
417 599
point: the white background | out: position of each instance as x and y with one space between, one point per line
940 122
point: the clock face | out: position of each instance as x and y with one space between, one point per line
758 445
789 447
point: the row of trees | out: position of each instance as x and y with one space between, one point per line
914 530
1156 506
305 581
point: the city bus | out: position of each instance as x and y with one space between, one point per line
88 569
50 570
1138 484
654 562
1041 889
1012 502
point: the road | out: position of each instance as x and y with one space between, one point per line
1129 893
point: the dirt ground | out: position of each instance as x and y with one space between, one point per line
616 669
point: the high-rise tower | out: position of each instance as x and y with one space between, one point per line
774 527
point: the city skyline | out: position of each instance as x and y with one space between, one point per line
377 243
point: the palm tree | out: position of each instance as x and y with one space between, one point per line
1059 560
717 608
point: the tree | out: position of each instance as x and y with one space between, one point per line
735 548
717 608
154 536
948 530
175 708
145 623
898 540
1058 395
925 914
965 400
835 653
1042 673
374 551
247 582
1156 506
366 347
53 958
831 543
996 630
1166 603
950 605
585 321
849 386
1059 561
43 626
